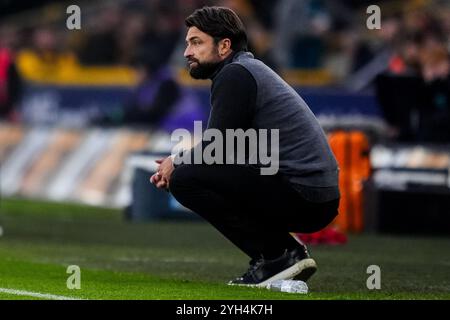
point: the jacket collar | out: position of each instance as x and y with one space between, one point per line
231 58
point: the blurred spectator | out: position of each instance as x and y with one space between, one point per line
373 58
133 28
10 83
400 98
165 30
100 45
158 102
399 89
256 20
435 113
302 25
46 58
405 59
414 92
156 94
264 12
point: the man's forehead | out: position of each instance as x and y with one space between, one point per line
195 32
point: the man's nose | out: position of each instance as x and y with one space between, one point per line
187 52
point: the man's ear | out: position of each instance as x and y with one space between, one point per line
224 47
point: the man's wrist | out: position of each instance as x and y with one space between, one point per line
172 157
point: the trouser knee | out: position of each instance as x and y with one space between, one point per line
182 180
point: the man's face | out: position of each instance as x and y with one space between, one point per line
202 54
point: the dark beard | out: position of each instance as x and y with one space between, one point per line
203 70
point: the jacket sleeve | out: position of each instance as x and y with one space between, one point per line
233 97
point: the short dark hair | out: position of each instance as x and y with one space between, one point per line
220 23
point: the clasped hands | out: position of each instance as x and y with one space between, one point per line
161 178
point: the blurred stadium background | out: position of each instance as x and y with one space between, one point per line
85 112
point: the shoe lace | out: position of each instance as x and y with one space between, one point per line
254 265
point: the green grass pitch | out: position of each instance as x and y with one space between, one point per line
190 260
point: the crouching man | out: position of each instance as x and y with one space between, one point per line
257 212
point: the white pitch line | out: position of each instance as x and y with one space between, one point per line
36 294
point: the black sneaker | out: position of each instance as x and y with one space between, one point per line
294 264
306 264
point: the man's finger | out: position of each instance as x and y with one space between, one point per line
155 178
161 184
163 174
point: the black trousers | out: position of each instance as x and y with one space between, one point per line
255 212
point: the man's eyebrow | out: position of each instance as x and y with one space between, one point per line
192 38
